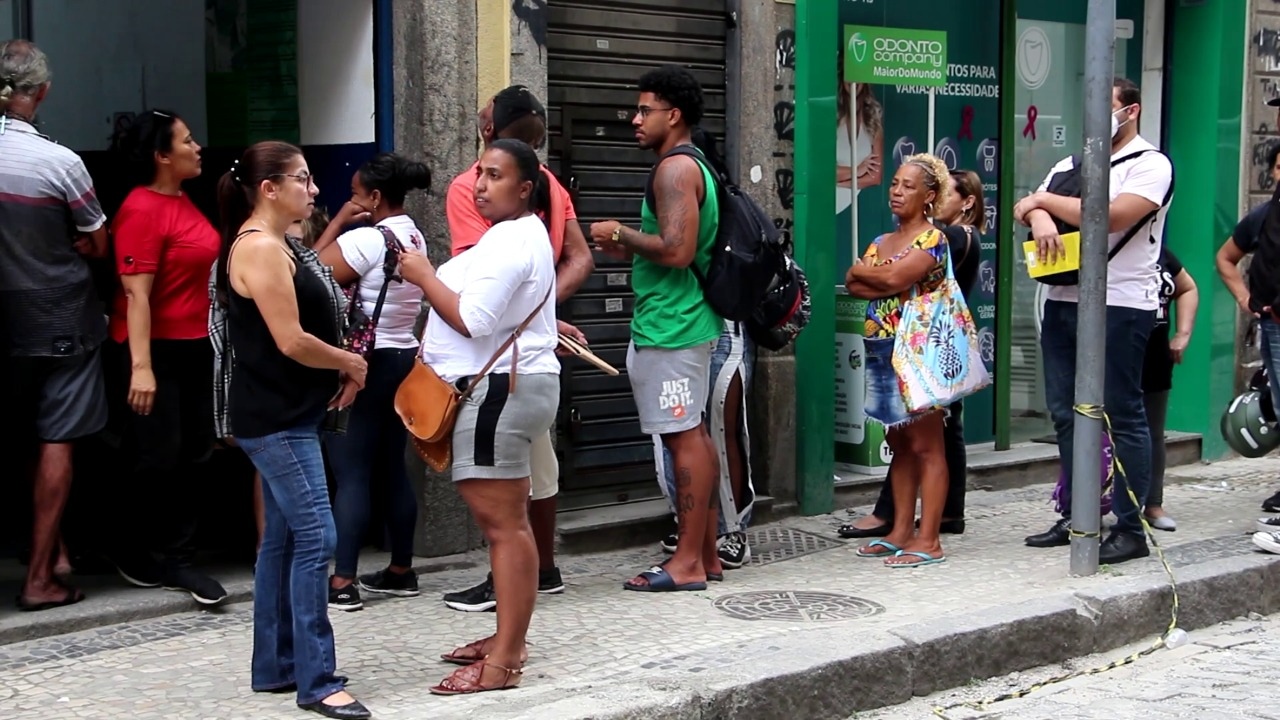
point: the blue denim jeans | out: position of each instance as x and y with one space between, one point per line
292 637
374 447
734 354
1269 347
1127 333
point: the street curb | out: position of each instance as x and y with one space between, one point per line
832 672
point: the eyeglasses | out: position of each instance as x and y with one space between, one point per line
304 178
644 110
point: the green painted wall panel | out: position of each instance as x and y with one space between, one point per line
814 231
1204 107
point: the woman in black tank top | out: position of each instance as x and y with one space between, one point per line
284 332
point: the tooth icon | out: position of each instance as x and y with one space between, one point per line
858 47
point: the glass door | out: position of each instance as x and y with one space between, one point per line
1048 99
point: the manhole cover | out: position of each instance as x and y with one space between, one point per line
791 606
775 544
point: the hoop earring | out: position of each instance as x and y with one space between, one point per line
928 210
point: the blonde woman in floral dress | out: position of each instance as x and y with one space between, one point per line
911 259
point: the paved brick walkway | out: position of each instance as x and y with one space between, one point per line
1226 672
195 665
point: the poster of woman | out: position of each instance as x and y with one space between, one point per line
859 141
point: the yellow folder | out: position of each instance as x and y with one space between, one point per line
1036 267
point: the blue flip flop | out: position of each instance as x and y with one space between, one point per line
925 559
661 581
711 577
890 548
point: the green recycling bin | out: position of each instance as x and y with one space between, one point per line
860 443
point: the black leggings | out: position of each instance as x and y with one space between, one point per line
957 462
155 501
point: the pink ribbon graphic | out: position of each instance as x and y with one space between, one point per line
1030 129
966 124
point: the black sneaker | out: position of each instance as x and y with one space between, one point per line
1272 504
550 582
203 589
480 598
669 544
734 551
139 569
345 598
385 582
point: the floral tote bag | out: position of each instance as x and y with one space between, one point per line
935 352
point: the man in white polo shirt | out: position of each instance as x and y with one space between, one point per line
1141 188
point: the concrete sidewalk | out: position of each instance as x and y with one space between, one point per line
807 631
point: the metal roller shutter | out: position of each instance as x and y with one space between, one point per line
596 52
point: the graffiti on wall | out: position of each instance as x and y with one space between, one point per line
784 127
531 15
1266 46
1261 169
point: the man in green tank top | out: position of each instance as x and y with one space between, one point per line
673 329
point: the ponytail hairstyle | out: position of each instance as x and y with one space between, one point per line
969 185
394 177
24 69
136 143
530 169
238 196
936 177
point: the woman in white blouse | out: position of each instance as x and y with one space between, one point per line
478 300
373 447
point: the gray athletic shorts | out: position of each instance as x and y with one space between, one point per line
495 431
670 386
66 396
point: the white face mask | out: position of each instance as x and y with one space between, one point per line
1116 124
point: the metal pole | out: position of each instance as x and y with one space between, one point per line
1091 334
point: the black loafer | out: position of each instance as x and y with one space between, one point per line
351 711
1056 536
1122 547
851 531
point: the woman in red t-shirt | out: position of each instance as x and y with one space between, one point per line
162 366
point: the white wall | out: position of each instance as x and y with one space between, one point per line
1152 83
111 56
335 72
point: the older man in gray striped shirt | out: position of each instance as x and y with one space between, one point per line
51 321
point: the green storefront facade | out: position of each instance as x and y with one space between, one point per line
996 87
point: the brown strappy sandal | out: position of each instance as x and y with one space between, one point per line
466 681
475 652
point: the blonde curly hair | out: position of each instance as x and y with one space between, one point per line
937 177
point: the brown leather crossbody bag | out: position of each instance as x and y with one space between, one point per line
428 406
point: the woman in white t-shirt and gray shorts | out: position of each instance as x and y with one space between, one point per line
478 300
373 447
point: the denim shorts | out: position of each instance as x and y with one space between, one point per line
884 395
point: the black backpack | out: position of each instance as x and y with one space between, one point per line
1068 184
752 278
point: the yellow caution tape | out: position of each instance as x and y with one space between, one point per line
1095 412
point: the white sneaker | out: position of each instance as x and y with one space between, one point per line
1268 524
1166 523
1269 541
